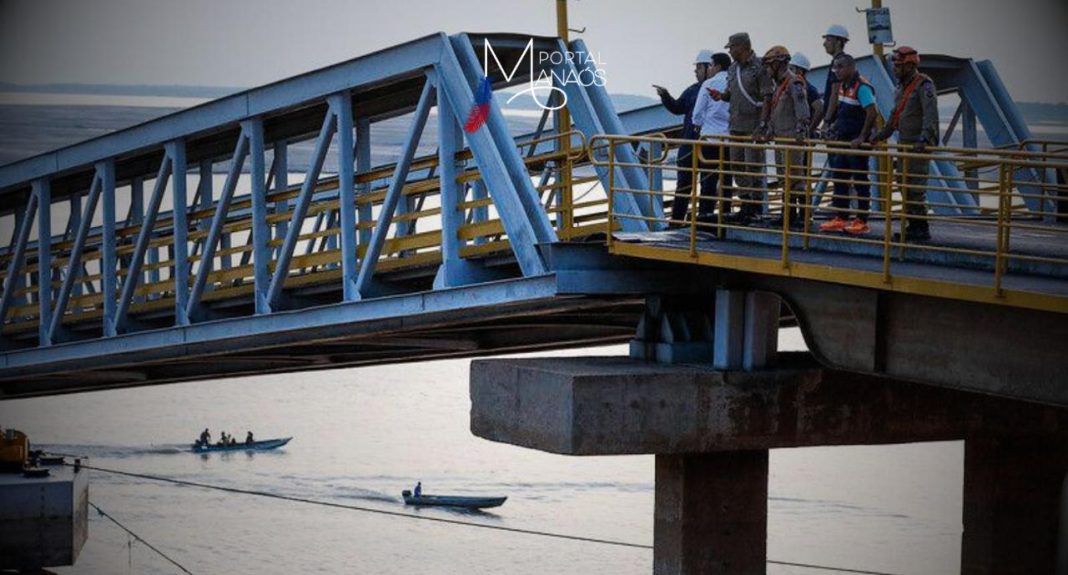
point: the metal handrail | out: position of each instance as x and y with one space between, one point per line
894 202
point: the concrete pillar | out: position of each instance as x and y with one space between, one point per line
711 513
746 329
712 508
1062 532
1012 504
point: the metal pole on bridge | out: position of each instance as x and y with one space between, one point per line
563 126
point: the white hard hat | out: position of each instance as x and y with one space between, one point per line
703 57
837 30
799 60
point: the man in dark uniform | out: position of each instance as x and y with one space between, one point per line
683 106
789 123
749 91
915 119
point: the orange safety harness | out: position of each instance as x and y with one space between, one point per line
781 90
919 78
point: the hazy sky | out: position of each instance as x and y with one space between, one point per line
251 42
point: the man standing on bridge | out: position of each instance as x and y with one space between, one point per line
915 119
850 120
749 90
683 106
834 42
789 121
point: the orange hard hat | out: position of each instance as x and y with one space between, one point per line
906 55
777 53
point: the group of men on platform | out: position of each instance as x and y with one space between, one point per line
758 100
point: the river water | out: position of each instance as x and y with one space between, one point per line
362 435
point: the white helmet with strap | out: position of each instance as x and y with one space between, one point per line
799 60
838 31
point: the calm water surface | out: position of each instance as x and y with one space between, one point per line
363 435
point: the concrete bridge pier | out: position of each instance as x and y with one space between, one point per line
711 509
711 513
711 425
1013 505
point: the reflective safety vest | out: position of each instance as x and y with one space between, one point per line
849 119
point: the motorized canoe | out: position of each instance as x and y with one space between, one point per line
253 446
451 501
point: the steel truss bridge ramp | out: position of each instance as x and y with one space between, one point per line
128 262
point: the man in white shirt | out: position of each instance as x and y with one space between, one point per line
712 118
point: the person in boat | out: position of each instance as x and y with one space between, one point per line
249 439
232 441
205 437
418 491
224 439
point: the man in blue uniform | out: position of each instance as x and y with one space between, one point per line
850 120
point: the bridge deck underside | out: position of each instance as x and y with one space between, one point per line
449 331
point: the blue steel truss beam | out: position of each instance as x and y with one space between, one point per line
252 131
74 262
363 165
42 187
986 76
180 231
396 189
586 119
133 272
454 270
605 110
108 273
14 267
495 181
498 131
280 173
365 70
137 201
341 105
342 318
300 210
222 208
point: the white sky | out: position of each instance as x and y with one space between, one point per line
251 42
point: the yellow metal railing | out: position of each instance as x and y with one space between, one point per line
421 247
579 206
1024 251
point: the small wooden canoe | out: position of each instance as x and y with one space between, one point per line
254 446
452 501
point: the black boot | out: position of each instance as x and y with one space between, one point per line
743 217
916 231
795 220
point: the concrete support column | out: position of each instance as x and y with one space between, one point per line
1012 504
712 508
746 329
711 513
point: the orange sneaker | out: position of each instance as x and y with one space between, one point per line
857 227
835 225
